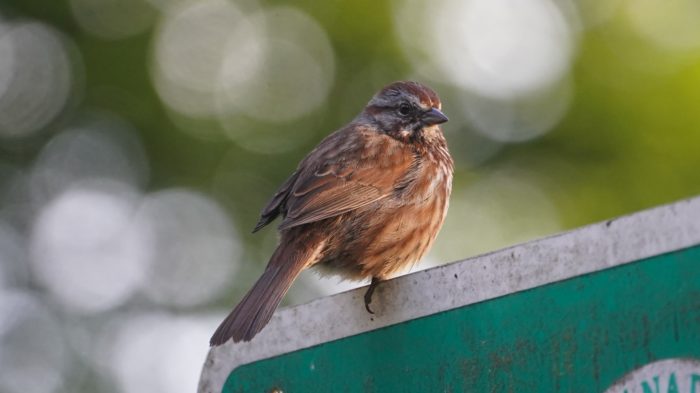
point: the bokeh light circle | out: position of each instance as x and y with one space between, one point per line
195 247
293 76
190 45
157 353
101 147
495 48
36 77
85 250
518 119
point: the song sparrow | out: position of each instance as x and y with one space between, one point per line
368 201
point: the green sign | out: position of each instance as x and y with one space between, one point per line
627 325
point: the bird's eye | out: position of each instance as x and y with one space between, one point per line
405 109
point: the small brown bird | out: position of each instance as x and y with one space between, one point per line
368 201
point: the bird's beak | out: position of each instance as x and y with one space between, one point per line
433 116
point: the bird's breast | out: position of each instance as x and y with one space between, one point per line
393 233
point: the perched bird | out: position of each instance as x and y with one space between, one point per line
367 202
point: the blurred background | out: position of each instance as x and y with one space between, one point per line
140 138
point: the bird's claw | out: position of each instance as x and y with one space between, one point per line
370 291
368 300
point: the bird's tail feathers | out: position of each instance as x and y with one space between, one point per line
256 309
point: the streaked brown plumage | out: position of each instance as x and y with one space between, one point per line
367 202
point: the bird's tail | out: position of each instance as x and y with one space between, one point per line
258 305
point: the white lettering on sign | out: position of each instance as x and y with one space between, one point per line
680 375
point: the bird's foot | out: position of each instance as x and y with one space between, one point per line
368 295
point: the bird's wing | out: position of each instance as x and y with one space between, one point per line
276 204
338 177
322 196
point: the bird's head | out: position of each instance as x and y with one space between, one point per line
405 110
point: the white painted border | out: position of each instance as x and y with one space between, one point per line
595 247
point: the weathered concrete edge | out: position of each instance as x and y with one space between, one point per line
588 249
